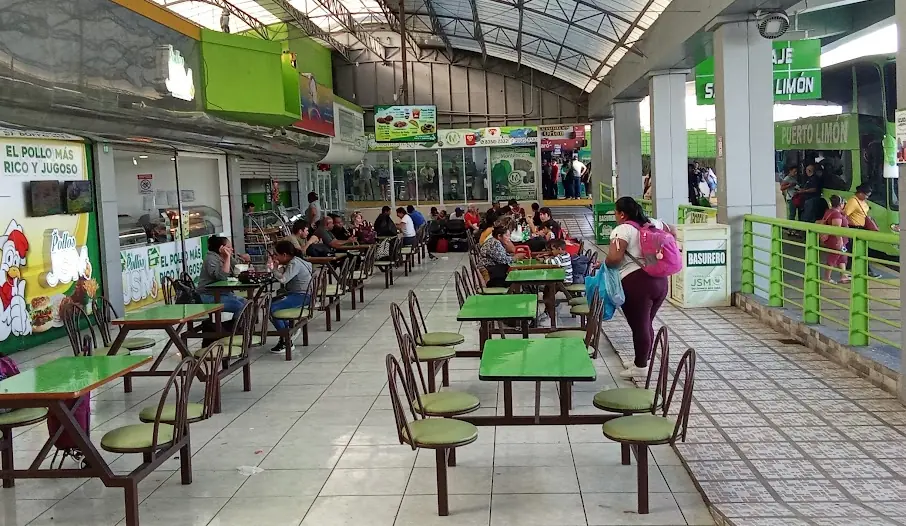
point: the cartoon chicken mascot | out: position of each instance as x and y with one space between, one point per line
14 318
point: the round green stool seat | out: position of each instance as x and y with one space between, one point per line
629 399
22 417
576 287
383 263
448 403
570 333
127 439
103 351
442 338
434 352
228 352
639 428
577 301
440 432
580 309
287 314
138 343
495 291
254 341
168 414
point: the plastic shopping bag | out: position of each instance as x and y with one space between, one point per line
614 285
606 282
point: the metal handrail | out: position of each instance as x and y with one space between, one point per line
764 269
606 193
692 214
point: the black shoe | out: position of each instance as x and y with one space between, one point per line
279 348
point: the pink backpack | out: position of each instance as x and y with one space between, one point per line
8 368
660 255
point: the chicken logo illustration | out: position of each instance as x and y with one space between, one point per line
14 318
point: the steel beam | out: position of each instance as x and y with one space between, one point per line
256 25
393 19
477 34
338 11
520 4
287 13
438 28
621 43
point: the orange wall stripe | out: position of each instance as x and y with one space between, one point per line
163 16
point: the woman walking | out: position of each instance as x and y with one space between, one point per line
644 293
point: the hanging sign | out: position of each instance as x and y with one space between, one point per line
41 158
797 72
405 123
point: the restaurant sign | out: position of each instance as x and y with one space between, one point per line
144 269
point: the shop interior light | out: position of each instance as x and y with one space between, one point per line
134 161
142 156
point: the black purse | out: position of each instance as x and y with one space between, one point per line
186 294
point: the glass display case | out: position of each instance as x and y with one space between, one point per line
203 221
292 214
132 233
262 230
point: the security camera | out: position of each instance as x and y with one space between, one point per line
772 24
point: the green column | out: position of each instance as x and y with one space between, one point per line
812 284
776 294
748 258
858 304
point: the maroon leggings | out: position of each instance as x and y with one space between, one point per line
644 296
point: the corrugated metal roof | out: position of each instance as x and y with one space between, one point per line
576 40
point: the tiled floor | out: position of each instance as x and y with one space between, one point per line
780 435
322 430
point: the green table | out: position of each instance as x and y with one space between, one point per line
561 360
488 309
530 264
226 286
54 386
171 319
551 280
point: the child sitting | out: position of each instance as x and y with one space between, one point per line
559 256
295 277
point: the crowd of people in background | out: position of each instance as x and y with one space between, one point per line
572 172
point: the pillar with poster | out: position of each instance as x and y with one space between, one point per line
514 173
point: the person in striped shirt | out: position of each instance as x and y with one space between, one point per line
559 256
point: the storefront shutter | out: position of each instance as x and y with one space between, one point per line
252 169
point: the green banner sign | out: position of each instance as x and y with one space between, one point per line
797 72
833 132
405 123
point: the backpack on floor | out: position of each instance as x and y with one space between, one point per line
82 415
660 255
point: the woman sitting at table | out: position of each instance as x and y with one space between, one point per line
294 273
494 258
219 265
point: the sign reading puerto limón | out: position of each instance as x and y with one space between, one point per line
797 72
832 132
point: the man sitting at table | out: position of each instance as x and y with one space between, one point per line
219 265
325 233
339 231
384 225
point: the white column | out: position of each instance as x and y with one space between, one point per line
669 145
745 130
901 96
601 155
108 225
627 133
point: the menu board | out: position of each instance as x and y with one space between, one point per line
405 123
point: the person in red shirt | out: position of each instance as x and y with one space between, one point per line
472 218
515 209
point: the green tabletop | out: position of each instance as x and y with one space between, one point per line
535 276
522 263
227 284
501 307
169 314
537 359
67 377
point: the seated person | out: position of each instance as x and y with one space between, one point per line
219 265
406 227
535 217
418 219
339 230
515 209
493 257
559 256
325 233
384 225
472 219
295 274
544 214
458 213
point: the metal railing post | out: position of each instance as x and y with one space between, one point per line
858 302
748 258
775 296
812 286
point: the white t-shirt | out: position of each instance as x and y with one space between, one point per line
578 166
408 227
630 235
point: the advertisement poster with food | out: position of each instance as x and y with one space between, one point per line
514 174
405 123
144 269
317 106
48 235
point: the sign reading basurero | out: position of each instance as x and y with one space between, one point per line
704 279
605 222
797 72
405 123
